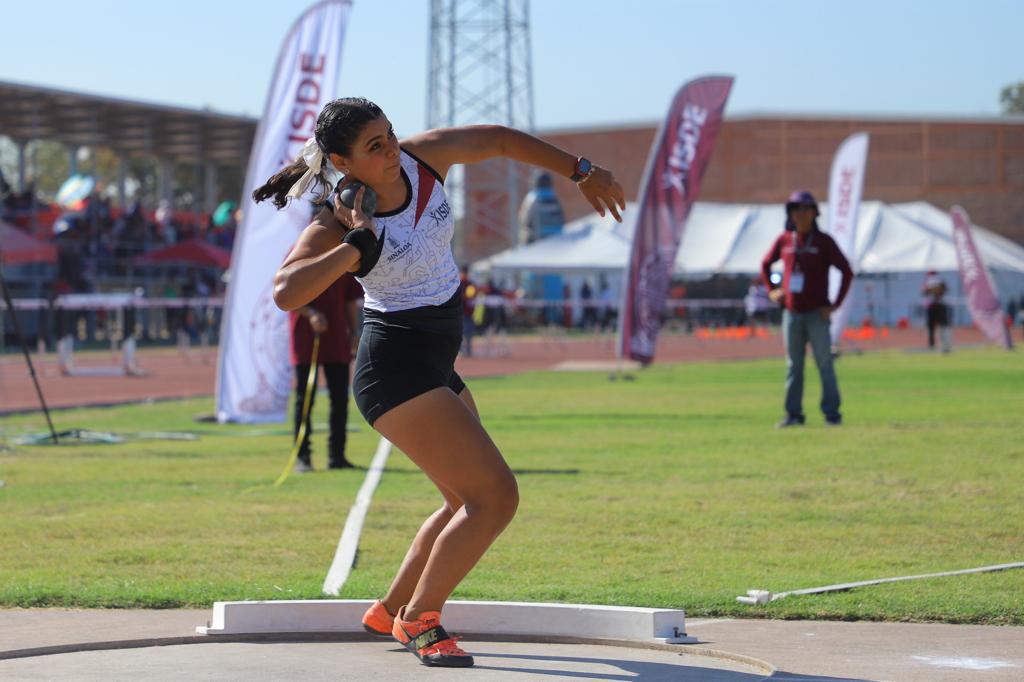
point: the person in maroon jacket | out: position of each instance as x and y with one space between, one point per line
807 254
333 315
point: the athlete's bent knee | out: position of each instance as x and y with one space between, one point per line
497 502
510 499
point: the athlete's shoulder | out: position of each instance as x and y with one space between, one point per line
416 154
325 221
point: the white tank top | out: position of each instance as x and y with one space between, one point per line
416 266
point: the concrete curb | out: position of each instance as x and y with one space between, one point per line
585 621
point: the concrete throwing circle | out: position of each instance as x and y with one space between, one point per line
378 660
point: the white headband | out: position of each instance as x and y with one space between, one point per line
314 158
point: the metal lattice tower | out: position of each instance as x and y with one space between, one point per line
480 72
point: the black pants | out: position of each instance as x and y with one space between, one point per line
337 387
937 316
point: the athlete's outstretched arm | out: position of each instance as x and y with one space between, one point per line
445 147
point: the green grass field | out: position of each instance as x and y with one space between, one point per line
673 490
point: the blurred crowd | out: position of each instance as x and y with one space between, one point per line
98 241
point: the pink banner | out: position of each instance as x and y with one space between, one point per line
678 159
982 301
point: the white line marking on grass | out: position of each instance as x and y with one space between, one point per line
345 555
764 596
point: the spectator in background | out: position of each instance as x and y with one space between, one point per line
1011 314
807 254
5 188
757 304
677 309
333 315
468 292
1020 313
589 319
199 310
607 304
165 223
567 306
173 316
26 199
936 310
493 320
223 235
492 303
541 213
64 318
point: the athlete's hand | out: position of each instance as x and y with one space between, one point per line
777 294
351 218
318 321
602 190
826 311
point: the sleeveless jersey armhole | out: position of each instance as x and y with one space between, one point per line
425 165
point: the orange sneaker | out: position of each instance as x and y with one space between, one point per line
425 638
377 620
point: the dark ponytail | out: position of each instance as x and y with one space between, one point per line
278 185
337 128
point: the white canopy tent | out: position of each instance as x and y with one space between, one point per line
896 245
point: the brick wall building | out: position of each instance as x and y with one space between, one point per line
976 162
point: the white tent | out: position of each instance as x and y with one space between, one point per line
896 245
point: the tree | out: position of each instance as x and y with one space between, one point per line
1012 98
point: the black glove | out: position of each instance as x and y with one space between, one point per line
369 247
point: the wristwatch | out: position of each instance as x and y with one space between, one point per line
582 170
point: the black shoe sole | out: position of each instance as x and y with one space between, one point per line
440 662
448 662
376 633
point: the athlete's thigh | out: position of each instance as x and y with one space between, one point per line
450 497
443 436
466 397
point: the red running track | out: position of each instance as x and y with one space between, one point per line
171 374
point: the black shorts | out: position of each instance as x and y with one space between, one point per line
938 314
405 354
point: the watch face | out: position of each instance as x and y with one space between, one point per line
583 166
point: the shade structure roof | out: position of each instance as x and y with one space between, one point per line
30 112
189 253
16 247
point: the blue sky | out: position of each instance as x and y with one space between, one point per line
594 61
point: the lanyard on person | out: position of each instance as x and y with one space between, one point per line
798 251
796 276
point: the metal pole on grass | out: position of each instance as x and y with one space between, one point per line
24 349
